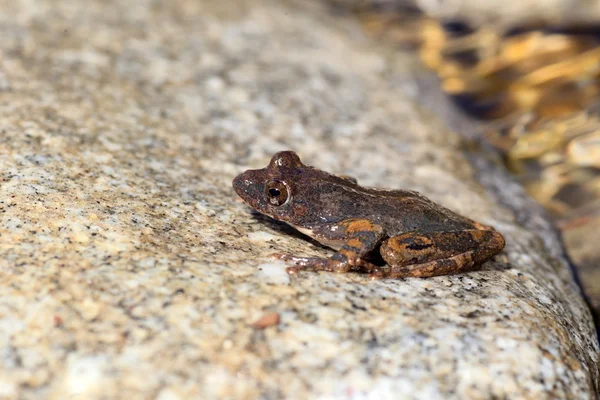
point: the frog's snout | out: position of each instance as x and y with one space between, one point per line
238 183
247 187
242 185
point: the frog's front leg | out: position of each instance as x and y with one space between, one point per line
416 254
358 236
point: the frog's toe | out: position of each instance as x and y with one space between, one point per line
298 261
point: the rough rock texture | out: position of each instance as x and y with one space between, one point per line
585 253
128 269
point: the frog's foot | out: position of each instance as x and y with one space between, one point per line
301 263
423 255
337 263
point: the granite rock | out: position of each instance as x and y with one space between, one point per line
129 269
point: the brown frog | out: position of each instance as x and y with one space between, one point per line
415 236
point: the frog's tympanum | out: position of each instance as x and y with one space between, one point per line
415 237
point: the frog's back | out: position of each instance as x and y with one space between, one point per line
397 211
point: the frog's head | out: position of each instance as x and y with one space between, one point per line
280 190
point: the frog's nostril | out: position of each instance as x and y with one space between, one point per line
243 186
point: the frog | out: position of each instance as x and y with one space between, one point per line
414 236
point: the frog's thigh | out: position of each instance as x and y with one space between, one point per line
438 253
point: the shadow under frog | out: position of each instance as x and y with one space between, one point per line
414 236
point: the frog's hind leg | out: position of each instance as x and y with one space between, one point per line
415 254
463 262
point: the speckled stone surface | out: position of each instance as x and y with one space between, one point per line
128 268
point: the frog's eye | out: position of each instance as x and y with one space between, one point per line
277 193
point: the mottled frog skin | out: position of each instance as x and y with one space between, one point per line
415 236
